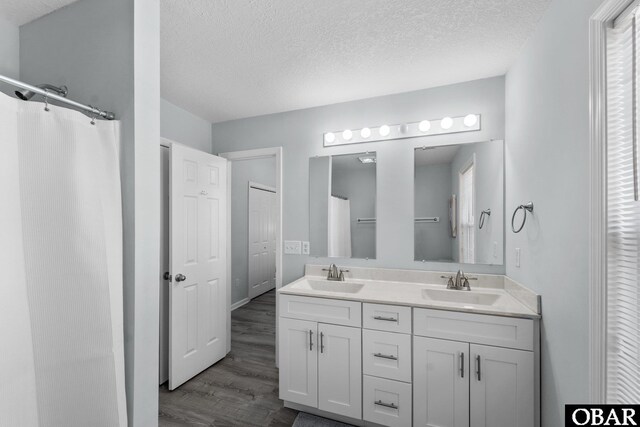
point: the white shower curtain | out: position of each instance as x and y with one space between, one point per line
339 228
61 316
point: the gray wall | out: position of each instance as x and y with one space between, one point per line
432 192
179 125
300 135
320 191
547 162
261 171
357 182
489 194
9 53
108 54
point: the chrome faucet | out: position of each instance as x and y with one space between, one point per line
334 273
461 281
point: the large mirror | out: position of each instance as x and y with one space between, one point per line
459 203
342 206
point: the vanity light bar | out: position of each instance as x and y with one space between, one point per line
446 125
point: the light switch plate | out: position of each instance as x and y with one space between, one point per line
518 257
292 247
306 248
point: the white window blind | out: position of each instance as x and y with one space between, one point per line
623 214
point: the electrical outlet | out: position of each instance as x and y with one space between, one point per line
306 248
518 257
292 247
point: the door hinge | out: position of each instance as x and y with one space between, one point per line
167 276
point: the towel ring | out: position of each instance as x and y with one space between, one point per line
526 207
482 215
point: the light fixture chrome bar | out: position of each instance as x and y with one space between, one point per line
50 95
446 125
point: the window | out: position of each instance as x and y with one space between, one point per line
623 215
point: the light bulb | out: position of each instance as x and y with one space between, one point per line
384 130
404 128
446 123
470 120
424 125
365 132
329 137
347 134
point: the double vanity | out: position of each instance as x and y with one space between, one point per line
397 348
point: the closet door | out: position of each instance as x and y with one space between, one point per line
502 387
340 370
440 383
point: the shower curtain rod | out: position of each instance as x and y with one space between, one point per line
50 95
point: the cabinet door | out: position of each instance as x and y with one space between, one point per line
502 387
340 370
298 361
440 383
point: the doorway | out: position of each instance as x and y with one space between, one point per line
257 174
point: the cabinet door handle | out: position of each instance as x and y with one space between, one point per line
385 356
386 319
310 340
479 367
321 342
386 405
462 364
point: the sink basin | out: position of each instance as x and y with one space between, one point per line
462 297
327 286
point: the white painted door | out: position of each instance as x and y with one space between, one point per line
198 292
165 159
298 357
340 370
262 239
502 387
440 383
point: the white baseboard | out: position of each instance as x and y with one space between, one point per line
240 303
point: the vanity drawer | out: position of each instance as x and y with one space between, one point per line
379 398
382 317
486 329
337 312
387 355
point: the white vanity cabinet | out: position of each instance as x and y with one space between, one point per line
377 364
321 359
461 382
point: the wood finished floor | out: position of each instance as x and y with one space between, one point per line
241 389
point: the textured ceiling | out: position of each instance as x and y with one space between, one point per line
228 59
20 12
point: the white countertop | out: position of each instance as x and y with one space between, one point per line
505 300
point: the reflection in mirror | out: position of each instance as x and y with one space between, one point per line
342 206
459 203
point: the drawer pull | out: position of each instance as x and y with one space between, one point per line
462 365
386 319
386 405
321 342
479 367
385 356
310 340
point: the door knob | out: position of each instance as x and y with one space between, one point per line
180 277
